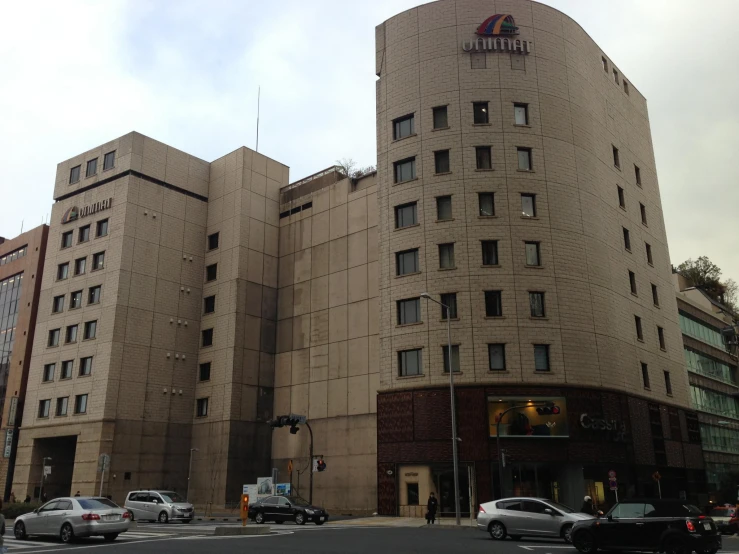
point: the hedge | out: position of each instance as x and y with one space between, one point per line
12 511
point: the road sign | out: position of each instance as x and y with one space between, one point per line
103 462
8 443
47 470
656 476
613 484
611 474
290 467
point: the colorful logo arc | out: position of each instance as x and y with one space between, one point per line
498 24
70 215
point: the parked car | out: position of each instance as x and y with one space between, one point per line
287 508
725 518
670 526
69 518
158 505
527 517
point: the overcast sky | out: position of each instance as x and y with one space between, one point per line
76 74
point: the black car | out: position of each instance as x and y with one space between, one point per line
287 508
656 525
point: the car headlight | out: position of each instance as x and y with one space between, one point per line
309 512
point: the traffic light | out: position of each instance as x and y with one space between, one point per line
291 421
550 409
321 465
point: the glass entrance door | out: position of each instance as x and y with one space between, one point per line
445 485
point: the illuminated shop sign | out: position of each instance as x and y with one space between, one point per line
493 36
530 417
74 213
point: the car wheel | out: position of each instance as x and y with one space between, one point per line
67 533
497 531
675 545
20 531
584 542
516 537
259 518
131 516
163 517
110 537
300 518
567 533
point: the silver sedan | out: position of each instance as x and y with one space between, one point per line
527 517
68 518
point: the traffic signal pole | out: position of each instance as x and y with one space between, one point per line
310 497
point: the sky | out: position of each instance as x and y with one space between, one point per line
78 73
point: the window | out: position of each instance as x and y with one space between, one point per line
443 208
209 304
493 303
541 357
533 257
80 404
71 334
98 261
406 215
449 299
53 337
207 337
484 157
13 255
480 112
655 295
75 300
626 86
92 168
213 241
528 205
204 374
67 239
412 494
627 239
406 262
524 159
109 160
409 362
637 174
455 357
521 114
90 331
615 76
668 383
74 174
85 366
405 170
61 406
628 510
49 372
643 210
58 304
639 330
645 375
616 160
79 266
84 234
621 197
496 357
701 331
632 282
101 228
43 408
62 271
605 64
446 256
409 311
93 295
648 247
661 336
486 201
441 120
536 303
441 161
211 272
489 252
202 407
403 127
67 367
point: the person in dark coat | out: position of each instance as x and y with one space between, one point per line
587 506
431 506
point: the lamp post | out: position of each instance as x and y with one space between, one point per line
451 394
189 472
43 477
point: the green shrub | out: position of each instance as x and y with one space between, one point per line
12 511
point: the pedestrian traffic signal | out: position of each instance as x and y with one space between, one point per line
321 465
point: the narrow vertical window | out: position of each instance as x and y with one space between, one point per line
102 228
441 120
455 357
637 174
443 208
524 159
481 113
648 248
449 300
533 257
521 114
406 215
486 202
604 61
621 198
109 161
668 383
627 239
409 311
639 330
626 86
616 160
615 76
446 256
207 337
655 295
409 363
201 407
528 205
74 174
211 272
213 240
489 252
661 337
496 357
643 210
441 161
484 157
92 168
632 282
536 303
209 304
406 262
67 239
645 375
204 374
541 357
493 303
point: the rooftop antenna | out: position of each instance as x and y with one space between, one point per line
22 226
259 94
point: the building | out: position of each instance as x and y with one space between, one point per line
21 268
711 362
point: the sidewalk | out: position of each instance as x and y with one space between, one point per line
384 521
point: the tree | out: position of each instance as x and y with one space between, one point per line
705 275
348 167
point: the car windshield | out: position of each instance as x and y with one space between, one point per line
561 507
692 510
297 501
96 503
171 497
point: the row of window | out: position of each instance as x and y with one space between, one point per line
407 261
721 439
714 402
634 291
83 233
70 335
75 299
622 204
625 83
701 331
62 404
617 165
409 309
640 333
708 367
646 381
67 369
627 245
14 255
80 266
92 167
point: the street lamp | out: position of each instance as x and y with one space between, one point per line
451 394
43 477
189 472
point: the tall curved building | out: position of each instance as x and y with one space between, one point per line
517 186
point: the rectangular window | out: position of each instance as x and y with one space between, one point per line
409 311
524 159
616 160
441 161
79 266
655 295
211 272
62 406
536 303
632 282
101 228
58 304
412 494
80 404
480 111
49 372
645 375
67 368
67 239
207 337
484 157
449 300
92 168
528 205
643 210
403 127
85 366
405 170
605 64
443 208
409 362
91 328
406 215
62 271
406 262
209 304
213 241
71 334
75 300
661 336
496 357
446 256
668 383
109 160
486 201
626 86
204 374
441 120
98 261
93 295
648 247
627 239
532 254
74 174
43 408
201 407
53 337
615 76
621 197
521 114
493 303
84 234
489 252
639 330
455 357
637 174
541 357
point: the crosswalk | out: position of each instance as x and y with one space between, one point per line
13 544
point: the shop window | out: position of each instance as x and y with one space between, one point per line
413 497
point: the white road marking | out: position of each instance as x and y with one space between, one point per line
546 546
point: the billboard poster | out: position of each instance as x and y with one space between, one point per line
530 418
283 489
251 490
265 486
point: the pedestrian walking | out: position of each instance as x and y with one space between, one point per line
587 506
431 506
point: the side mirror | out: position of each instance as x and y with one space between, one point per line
549 511
35 511
610 517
